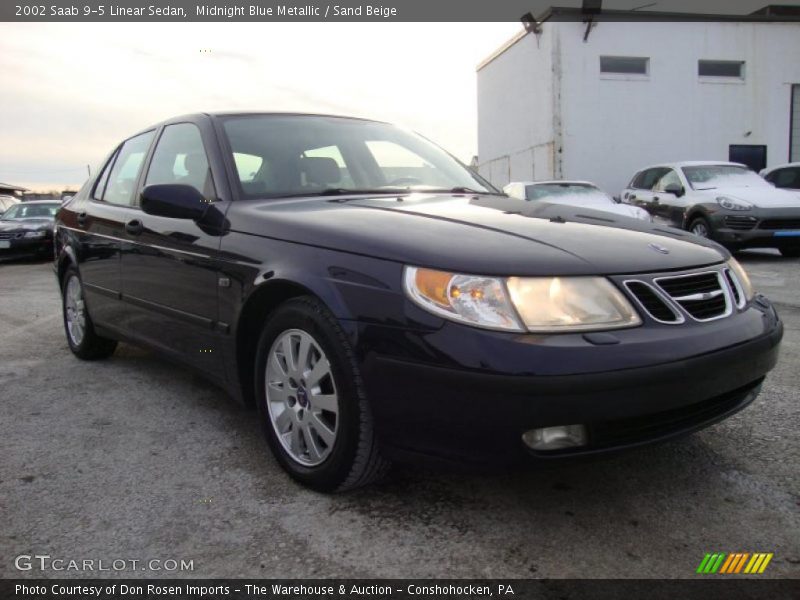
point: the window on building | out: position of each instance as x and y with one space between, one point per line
721 68
754 156
625 65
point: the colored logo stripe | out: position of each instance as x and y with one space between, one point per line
720 562
711 563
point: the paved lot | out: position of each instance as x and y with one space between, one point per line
133 458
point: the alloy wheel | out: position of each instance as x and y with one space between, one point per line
75 311
302 400
700 229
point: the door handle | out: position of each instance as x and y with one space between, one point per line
81 218
134 227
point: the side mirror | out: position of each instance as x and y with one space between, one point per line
174 200
675 189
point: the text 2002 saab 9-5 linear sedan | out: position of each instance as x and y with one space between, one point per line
377 301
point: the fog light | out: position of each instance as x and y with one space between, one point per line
555 438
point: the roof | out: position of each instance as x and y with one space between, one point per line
694 163
16 188
556 182
784 166
768 14
764 15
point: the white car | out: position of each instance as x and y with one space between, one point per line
573 193
7 202
726 202
786 177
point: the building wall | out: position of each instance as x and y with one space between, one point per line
614 125
515 113
603 128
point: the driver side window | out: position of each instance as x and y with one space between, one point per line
669 178
125 172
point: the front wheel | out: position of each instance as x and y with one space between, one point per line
701 227
311 402
792 252
81 337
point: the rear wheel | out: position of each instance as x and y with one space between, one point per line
81 337
311 401
701 227
792 252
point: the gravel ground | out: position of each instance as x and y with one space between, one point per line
134 458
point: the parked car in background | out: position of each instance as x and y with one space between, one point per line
7 202
27 228
573 193
786 177
725 202
376 300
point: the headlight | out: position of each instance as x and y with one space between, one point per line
733 204
35 234
480 301
536 304
742 278
570 304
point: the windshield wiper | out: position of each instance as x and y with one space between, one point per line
457 190
342 192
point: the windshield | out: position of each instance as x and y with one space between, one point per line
292 155
565 192
31 211
711 177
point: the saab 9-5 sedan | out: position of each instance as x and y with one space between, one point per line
378 301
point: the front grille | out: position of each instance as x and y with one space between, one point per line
652 302
773 224
663 424
11 236
740 223
735 288
703 295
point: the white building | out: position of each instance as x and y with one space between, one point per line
554 105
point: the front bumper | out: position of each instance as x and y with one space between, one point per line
760 228
425 403
25 247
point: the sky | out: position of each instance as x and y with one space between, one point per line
71 92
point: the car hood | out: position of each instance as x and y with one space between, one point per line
626 210
761 197
486 235
25 224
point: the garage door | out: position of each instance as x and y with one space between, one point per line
795 145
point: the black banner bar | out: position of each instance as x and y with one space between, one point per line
390 10
705 588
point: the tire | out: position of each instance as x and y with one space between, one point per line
701 228
331 448
792 252
78 326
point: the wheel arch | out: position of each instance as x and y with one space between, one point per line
696 211
66 258
258 306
